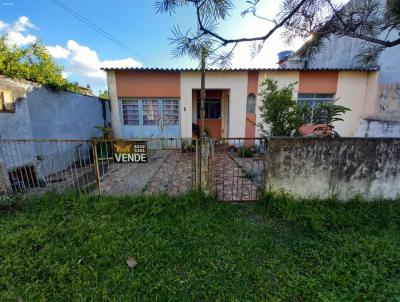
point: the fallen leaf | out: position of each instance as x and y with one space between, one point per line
131 262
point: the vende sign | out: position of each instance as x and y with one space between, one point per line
130 152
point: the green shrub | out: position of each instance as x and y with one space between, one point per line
245 152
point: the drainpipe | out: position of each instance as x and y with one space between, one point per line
104 112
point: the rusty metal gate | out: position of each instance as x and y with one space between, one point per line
36 166
170 168
237 168
233 169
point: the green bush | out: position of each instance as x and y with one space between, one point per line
245 152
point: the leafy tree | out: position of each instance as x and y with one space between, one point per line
367 20
32 63
325 114
279 110
104 95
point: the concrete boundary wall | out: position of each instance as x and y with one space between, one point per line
310 167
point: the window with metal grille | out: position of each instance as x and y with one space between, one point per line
212 108
151 112
130 110
311 101
170 112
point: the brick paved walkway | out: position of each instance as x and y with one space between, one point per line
173 172
235 179
175 175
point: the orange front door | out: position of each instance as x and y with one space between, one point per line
212 119
213 127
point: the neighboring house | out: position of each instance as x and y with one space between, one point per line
32 112
158 102
85 90
383 119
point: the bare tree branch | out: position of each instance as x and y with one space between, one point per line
297 18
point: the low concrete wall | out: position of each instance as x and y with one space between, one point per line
308 167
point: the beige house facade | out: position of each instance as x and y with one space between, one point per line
158 102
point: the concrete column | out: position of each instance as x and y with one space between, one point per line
114 104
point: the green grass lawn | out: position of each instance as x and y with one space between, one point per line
70 248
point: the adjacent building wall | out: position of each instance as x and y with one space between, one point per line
378 128
43 113
65 115
310 167
386 103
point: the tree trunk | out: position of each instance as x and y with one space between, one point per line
202 93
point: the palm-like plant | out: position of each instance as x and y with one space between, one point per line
325 114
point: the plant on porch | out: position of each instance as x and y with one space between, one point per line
280 113
325 115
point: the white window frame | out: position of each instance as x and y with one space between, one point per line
123 112
313 100
175 114
161 121
155 118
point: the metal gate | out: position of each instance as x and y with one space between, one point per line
231 169
37 166
171 168
237 168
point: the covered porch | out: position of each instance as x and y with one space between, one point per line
216 120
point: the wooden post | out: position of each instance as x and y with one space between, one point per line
5 185
96 165
4 188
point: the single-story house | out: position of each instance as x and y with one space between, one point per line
156 102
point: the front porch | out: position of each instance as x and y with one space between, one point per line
216 120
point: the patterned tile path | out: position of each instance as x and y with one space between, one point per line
123 179
173 172
236 179
175 175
